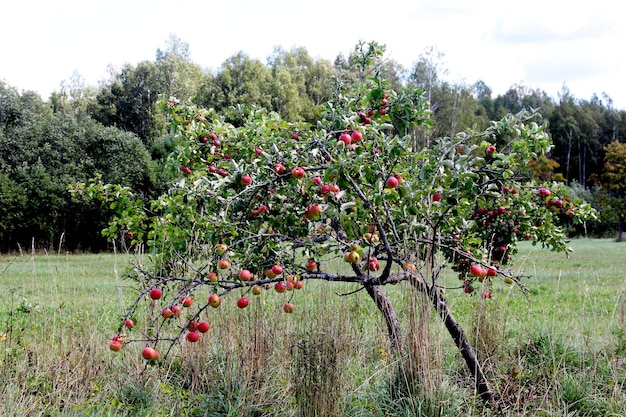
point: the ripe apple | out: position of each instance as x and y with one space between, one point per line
311 265
176 310
192 326
167 313
193 336
242 302
492 271
289 285
245 275
478 271
288 308
149 353
298 172
384 102
128 323
373 264
436 197
213 277
155 293
186 301
246 180
490 149
204 326
280 287
212 136
277 270
317 181
269 273
115 345
223 264
544 192
382 112
279 169
294 136
356 136
215 300
345 138
298 285
313 212
392 182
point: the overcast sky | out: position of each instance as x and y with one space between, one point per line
538 43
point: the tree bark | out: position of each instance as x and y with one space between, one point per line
389 314
621 229
458 335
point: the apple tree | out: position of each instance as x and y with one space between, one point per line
266 203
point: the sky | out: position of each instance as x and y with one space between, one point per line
540 44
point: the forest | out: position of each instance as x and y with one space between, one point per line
117 130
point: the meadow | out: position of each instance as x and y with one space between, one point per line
558 349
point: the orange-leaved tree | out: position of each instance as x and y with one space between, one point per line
612 182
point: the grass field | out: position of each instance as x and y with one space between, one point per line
558 351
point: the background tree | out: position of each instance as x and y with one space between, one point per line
613 184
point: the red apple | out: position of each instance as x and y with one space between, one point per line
193 336
298 172
288 308
356 136
298 285
186 301
392 182
167 313
311 265
176 310
128 323
436 197
279 169
149 353
213 277
277 270
313 212
242 302
192 326
115 345
280 287
490 149
246 180
345 138
223 264
204 326
478 271
245 275
155 293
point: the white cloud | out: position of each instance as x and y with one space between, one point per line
538 43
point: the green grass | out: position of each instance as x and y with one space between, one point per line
556 352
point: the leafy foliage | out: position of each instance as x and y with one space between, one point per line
268 202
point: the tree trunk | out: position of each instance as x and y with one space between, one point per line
621 229
389 313
458 335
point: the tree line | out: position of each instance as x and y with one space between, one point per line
116 130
